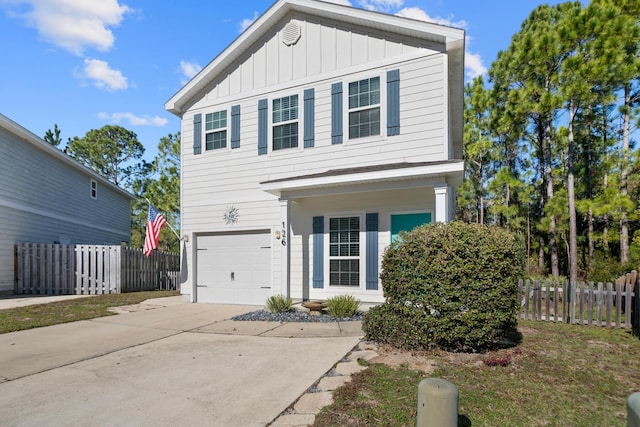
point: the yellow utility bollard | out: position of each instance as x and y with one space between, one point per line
437 403
633 410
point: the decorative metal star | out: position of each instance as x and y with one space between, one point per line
231 215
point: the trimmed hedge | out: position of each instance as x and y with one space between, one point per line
451 286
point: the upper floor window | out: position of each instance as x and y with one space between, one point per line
285 122
216 130
94 189
364 108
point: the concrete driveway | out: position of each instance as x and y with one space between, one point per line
179 364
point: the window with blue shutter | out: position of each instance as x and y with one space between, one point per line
318 252
309 117
372 251
197 133
393 102
263 126
336 113
235 126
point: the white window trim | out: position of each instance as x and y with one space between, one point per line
327 258
383 107
300 121
93 189
226 128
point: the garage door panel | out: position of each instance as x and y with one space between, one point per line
234 268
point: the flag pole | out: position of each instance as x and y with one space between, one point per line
167 223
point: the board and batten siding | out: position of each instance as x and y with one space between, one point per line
322 49
45 200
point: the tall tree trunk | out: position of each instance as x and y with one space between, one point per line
481 192
553 244
624 180
590 220
573 227
605 230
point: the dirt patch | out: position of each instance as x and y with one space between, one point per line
421 361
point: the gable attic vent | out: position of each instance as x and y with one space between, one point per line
291 34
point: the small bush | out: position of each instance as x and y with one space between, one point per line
279 304
452 286
607 269
342 305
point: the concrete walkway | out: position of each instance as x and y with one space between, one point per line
164 363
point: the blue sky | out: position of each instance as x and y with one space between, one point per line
86 63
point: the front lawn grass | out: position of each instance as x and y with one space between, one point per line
559 375
35 316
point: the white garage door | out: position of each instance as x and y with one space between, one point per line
234 268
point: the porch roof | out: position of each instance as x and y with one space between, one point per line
368 178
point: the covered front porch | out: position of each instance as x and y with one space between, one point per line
336 225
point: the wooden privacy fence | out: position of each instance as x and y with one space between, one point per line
53 269
587 304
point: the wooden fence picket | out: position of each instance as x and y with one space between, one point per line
66 269
584 303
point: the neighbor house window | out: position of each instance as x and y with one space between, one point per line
285 122
216 130
94 189
364 108
344 251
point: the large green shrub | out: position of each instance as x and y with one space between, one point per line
452 286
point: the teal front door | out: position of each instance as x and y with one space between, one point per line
407 222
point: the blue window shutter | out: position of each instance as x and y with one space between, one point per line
372 251
197 133
393 102
235 126
309 116
336 113
263 126
318 252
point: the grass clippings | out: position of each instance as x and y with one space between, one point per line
559 375
71 310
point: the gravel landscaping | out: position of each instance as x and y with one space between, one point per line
293 316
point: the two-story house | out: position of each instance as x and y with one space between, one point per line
309 143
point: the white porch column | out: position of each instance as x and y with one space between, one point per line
284 241
443 203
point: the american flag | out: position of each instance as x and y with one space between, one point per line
154 224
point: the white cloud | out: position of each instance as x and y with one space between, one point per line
133 119
189 69
248 21
421 15
74 24
102 75
380 5
473 64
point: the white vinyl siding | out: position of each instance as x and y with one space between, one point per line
239 172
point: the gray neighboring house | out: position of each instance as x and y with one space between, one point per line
47 197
